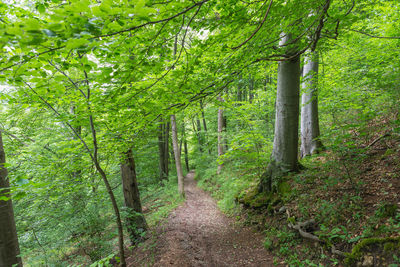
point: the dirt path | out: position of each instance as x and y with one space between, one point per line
198 234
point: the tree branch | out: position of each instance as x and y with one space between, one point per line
375 36
258 28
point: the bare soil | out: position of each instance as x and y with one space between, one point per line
198 234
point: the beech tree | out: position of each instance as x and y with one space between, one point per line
9 247
310 135
284 153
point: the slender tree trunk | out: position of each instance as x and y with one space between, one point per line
110 194
198 136
251 89
284 154
204 126
239 97
201 137
136 223
166 148
186 155
220 137
177 156
184 142
163 141
224 129
310 135
9 247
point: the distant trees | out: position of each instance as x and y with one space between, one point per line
9 247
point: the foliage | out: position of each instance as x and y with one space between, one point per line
72 71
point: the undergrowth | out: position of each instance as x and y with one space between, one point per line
351 190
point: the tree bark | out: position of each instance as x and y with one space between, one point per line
186 155
284 154
251 89
185 148
310 134
201 136
197 135
205 127
110 192
136 223
163 147
9 247
220 137
177 155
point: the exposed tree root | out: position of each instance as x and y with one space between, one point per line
301 225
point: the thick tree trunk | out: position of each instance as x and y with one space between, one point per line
136 223
9 247
220 137
177 156
310 135
284 154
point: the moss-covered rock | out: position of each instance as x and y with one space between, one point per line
380 249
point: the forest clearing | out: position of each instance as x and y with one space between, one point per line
199 133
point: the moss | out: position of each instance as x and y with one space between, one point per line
284 188
252 198
389 244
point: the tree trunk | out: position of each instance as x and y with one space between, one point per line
224 129
163 149
177 156
198 136
284 153
310 135
110 193
201 136
183 140
9 247
205 126
136 223
251 89
220 137
186 155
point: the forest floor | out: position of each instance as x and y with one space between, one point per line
198 234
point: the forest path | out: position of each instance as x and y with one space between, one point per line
198 234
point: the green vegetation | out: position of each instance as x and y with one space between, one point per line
88 89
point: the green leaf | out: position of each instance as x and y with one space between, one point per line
75 43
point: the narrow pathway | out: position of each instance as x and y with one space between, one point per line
198 234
